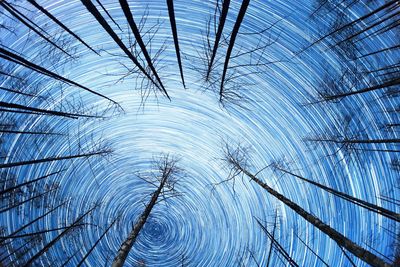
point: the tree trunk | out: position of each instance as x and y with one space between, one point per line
37 161
30 223
222 19
128 14
235 31
359 202
128 243
59 23
8 55
27 200
7 190
171 13
340 239
14 12
52 242
278 246
95 244
93 10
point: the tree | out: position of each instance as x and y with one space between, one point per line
234 33
356 201
77 222
93 10
171 13
125 7
12 57
222 19
168 170
236 159
97 242
277 246
59 23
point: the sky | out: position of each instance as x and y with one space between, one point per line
207 225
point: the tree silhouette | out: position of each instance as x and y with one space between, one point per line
236 159
168 172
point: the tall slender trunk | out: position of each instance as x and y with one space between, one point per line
16 92
108 14
10 56
365 29
37 161
278 246
26 200
30 223
171 12
359 202
7 190
97 242
271 247
70 258
55 240
128 14
222 19
19 111
93 10
312 251
372 13
59 23
43 231
355 141
380 51
14 12
126 246
28 132
340 239
235 31
2 260
45 111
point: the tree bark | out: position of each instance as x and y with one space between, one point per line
126 246
235 31
37 161
222 19
340 239
59 23
128 14
170 4
55 240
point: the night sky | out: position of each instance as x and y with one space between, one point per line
208 224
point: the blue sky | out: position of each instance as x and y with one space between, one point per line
208 228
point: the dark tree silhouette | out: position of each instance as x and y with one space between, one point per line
96 243
125 7
12 57
93 10
356 201
168 170
77 222
222 19
59 23
277 246
171 13
234 33
28 23
236 159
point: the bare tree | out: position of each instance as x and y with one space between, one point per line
77 222
59 23
12 57
277 246
236 159
171 13
93 10
168 171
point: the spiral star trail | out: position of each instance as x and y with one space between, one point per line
210 223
